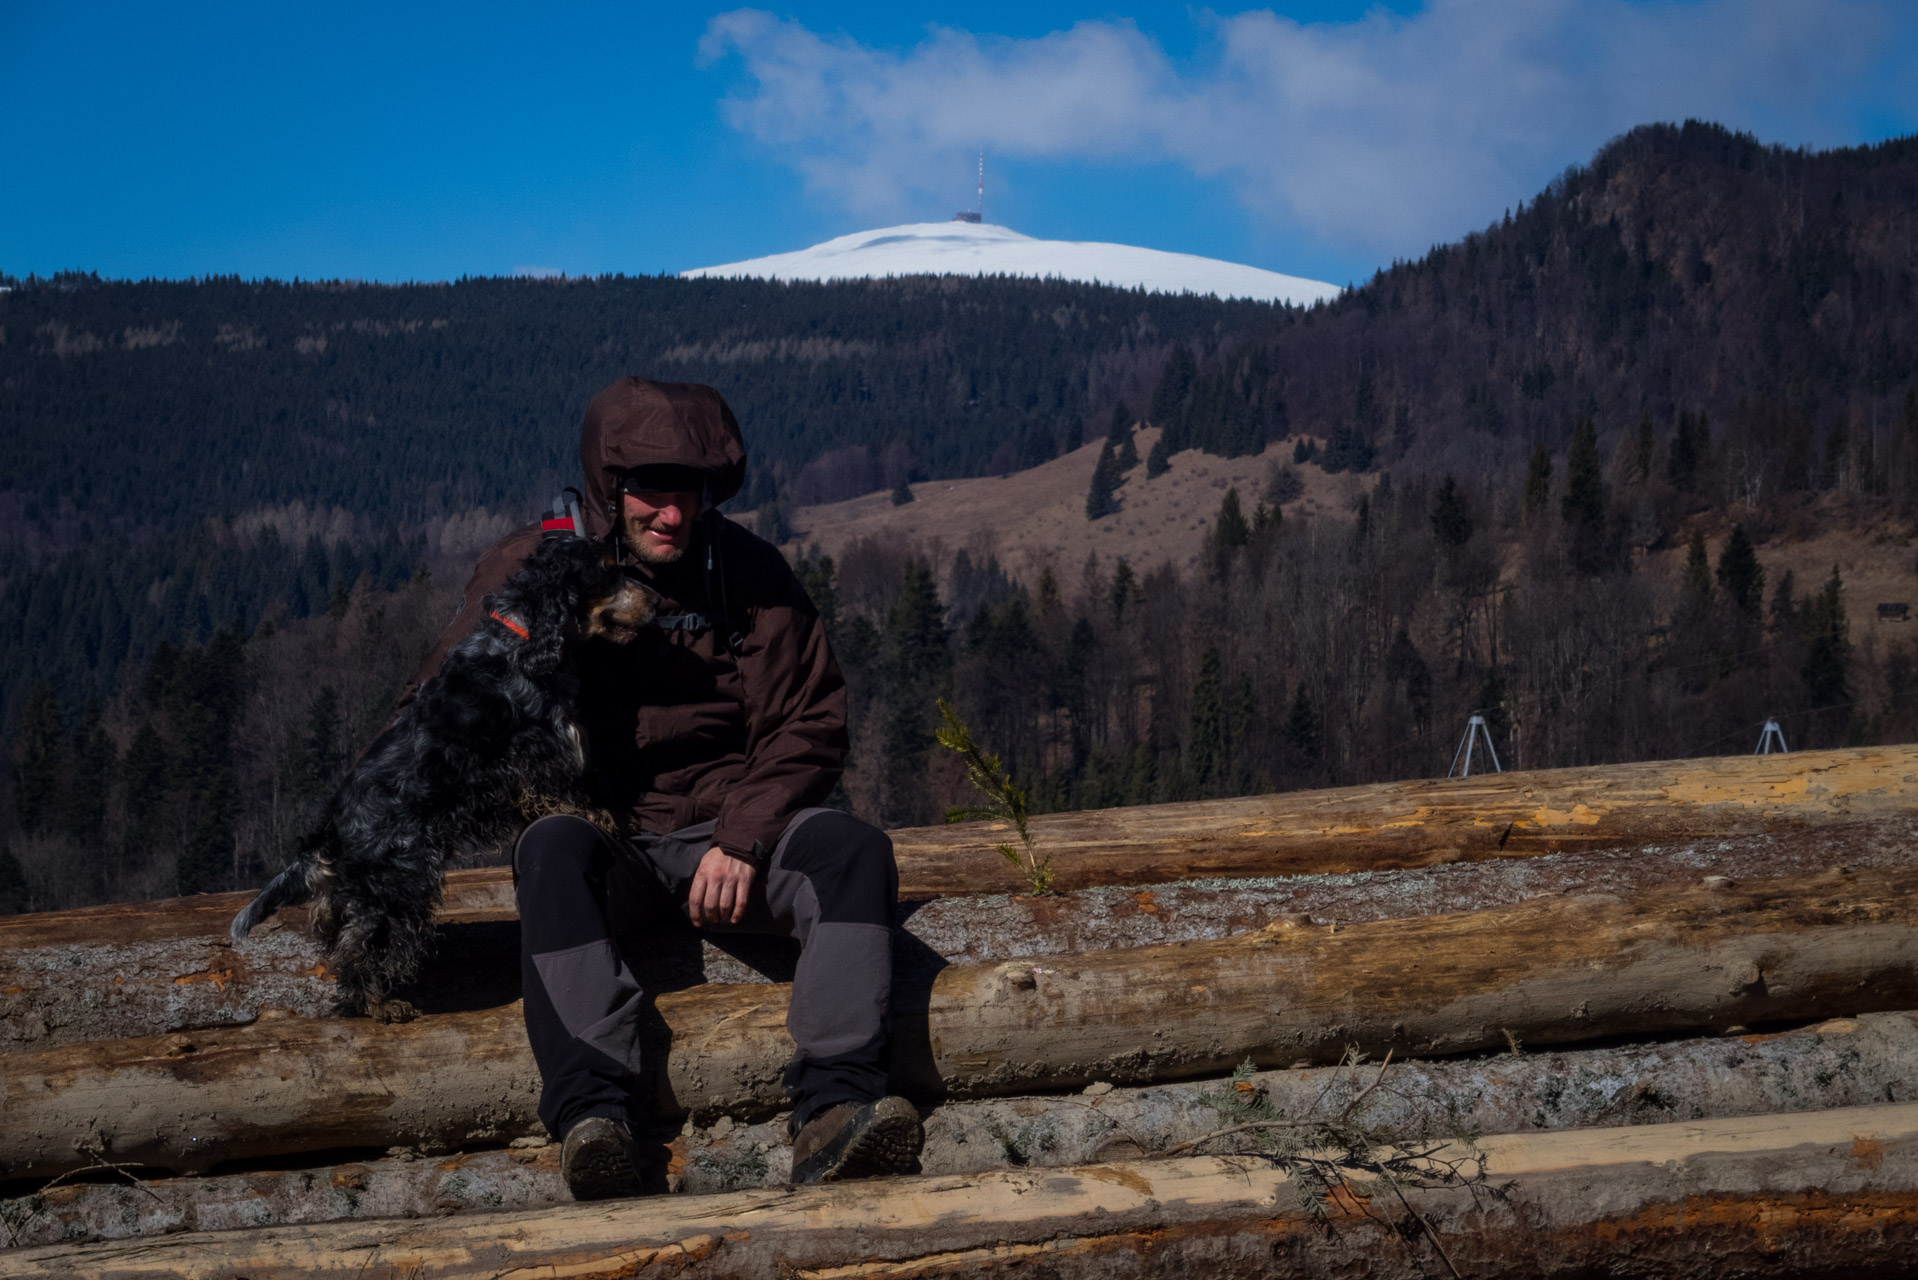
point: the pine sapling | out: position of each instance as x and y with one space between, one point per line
1005 800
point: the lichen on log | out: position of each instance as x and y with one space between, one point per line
1830 1193
1548 971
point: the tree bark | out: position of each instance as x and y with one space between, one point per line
101 988
1547 971
1387 825
1813 1194
1842 1063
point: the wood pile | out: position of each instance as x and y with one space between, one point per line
1683 988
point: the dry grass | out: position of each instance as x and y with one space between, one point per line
1036 519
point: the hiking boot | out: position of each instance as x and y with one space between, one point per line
858 1140
600 1160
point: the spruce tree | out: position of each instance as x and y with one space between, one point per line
1538 483
901 494
1206 737
204 702
1142 773
1826 672
14 894
319 756
1241 713
1642 450
1584 496
1406 668
1231 529
1125 454
816 574
1175 387
39 760
1125 589
1689 443
1698 576
1451 515
1783 619
147 770
918 664
1075 434
1740 574
94 762
1584 503
1159 460
1303 732
1100 497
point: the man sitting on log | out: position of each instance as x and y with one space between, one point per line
720 735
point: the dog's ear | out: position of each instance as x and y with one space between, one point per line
547 637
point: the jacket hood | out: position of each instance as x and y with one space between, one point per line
637 422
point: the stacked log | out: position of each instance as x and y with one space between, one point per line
1424 920
1153 874
1841 1063
1545 971
1695 1199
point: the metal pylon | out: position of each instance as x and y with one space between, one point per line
1475 729
1771 738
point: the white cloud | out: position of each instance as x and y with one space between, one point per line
1383 135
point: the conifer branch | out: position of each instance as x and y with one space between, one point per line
1005 800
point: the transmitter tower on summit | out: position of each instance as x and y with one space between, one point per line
976 214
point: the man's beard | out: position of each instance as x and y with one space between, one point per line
650 553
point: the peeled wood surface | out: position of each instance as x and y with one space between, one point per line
1383 825
105 989
1824 1193
1840 1063
1550 971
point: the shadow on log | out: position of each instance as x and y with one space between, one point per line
1842 1063
91 988
1548 971
1830 1193
1386 825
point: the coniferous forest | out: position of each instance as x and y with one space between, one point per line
235 513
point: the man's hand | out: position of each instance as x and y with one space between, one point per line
720 886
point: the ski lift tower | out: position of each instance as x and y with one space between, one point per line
1475 730
1771 739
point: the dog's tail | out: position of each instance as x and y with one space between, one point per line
284 890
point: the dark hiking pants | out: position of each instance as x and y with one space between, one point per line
831 883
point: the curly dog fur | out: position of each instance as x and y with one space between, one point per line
490 743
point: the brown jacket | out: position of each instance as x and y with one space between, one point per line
682 726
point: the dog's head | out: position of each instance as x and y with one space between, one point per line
570 590
617 614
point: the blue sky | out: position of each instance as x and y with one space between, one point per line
397 142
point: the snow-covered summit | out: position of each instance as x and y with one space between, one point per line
982 249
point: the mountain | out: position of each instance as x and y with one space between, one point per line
982 249
1690 278
1748 313
178 455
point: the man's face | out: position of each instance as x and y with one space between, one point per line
659 526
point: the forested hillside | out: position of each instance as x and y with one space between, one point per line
1579 457
137 406
179 455
1772 292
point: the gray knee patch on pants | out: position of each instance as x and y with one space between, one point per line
595 996
826 1017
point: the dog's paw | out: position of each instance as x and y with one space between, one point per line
392 1011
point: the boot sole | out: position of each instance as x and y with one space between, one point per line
602 1171
886 1144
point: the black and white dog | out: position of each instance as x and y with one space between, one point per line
490 743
